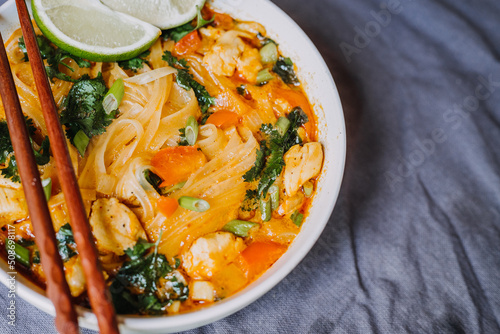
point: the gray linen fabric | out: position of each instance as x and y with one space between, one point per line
413 244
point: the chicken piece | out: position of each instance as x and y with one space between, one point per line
73 271
115 227
249 64
12 205
208 37
224 54
211 253
291 204
301 164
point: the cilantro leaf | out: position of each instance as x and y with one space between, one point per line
284 68
82 109
136 63
66 242
10 171
55 57
174 62
186 81
179 32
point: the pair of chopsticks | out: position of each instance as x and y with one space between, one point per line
57 287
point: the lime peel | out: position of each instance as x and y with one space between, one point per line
100 35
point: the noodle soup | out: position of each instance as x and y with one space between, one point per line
195 185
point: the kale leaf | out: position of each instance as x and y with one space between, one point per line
66 242
136 283
55 57
179 32
186 80
284 68
136 63
82 109
269 161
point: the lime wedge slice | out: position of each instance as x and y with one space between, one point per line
164 14
90 30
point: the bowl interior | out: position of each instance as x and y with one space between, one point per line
323 95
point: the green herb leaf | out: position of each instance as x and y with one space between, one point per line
179 32
136 63
55 57
269 161
66 243
82 109
186 81
154 180
284 68
140 274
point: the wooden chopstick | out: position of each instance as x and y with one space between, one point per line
99 296
57 287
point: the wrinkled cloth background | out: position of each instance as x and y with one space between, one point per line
413 244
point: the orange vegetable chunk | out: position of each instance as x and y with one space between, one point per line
167 206
176 164
297 99
224 119
259 256
188 44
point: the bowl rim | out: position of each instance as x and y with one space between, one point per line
135 324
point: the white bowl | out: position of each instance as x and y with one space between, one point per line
323 95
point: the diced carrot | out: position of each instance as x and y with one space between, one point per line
298 99
223 21
167 206
188 44
176 164
259 256
224 119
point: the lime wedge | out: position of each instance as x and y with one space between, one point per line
164 14
90 30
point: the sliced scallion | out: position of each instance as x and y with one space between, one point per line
308 188
191 131
269 53
264 76
265 210
274 192
81 141
114 96
22 255
282 125
47 188
297 218
194 204
239 228
166 191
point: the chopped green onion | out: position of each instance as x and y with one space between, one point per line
282 125
241 89
173 188
114 96
269 54
265 210
81 141
264 76
22 255
239 227
308 188
274 191
297 218
194 204
47 188
191 131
